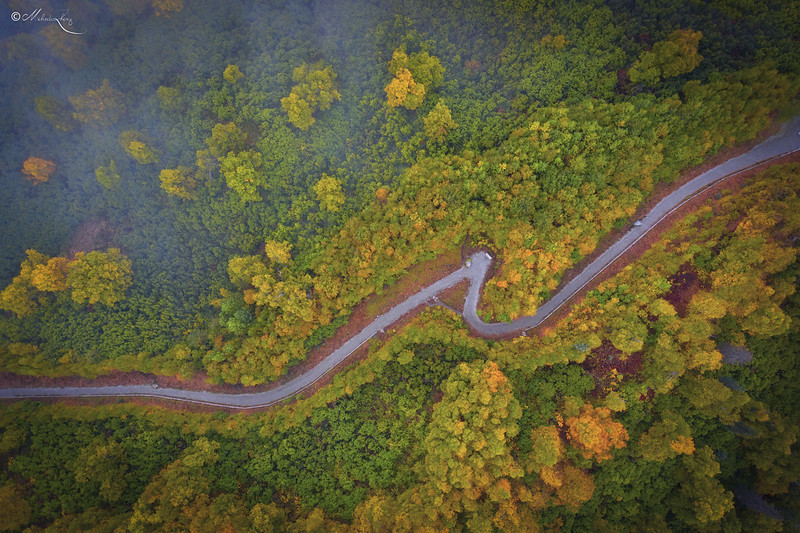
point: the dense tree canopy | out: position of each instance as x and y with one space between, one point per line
221 185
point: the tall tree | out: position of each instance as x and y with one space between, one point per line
595 433
38 170
136 145
677 55
99 277
468 449
329 193
99 107
313 90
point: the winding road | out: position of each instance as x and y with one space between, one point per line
783 143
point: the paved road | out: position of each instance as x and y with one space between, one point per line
786 141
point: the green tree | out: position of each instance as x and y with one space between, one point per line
547 448
770 452
105 463
701 500
666 439
16 510
439 122
54 112
169 98
178 492
713 399
226 138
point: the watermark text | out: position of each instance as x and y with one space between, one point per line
61 18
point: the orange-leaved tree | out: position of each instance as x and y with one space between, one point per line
595 433
38 170
165 8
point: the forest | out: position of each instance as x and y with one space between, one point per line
207 190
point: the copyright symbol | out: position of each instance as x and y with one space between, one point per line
15 16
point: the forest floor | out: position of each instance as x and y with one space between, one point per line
418 277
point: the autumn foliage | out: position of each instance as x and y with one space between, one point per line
96 277
38 170
468 444
178 182
99 277
165 8
414 75
595 433
99 107
314 90
672 57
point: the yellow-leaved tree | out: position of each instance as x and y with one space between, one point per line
99 107
313 90
468 448
329 193
99 277
414 75
135 145
178 182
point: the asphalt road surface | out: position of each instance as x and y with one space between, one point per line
786 141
